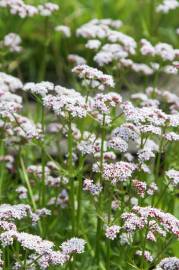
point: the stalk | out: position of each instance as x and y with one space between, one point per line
80 187
70 167
108 253
80 181
43 188
2 168
99 223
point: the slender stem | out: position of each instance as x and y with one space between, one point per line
108 253
70 167
144 244
1 168
26 178
80 186
99 223
43 187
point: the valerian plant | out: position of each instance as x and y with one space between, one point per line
89 168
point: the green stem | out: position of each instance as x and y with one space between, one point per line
70 167
43 188
80 188
99 223
108 253
1 168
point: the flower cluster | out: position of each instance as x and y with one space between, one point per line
12 42
93 77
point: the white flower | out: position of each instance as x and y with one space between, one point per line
74 245
65 30
112 231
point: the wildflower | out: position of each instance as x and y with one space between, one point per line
12 42
170 263
65 30
167 5
118 144
140 187
94 189
119 171
112 231
9 83
173 176
76 59
74 245
41 88
67 101
93 77
22 192
147 255
93 44
47 9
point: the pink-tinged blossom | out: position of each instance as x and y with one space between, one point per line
112 231
42 88
47 9
73 245
147 255
93 77
127 131
143 216
173 176
118 144
119 171
22 192
93 44
94 189
171 136
67 101
12 42
170 263
76 59
65 30
167 5
9 83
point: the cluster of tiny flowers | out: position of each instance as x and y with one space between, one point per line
109 53
9 83
22 192
173 176
119 171
61 199
112 231
164 50
118 144
140 217
42 88
18 7
74 245
103 103
170 263
167 5
12 42
67 101
93 77
42 248
76 60
147 255
26 128
142 188
94 189
65 30
97 28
